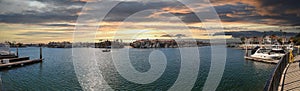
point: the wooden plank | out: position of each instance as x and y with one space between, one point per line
18 59
20 63
292 76
8 56
297 58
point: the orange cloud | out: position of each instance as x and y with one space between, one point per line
174 10
261 7
177 10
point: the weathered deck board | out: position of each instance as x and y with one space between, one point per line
8 56
20 63
292 76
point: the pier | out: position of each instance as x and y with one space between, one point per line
8 56
286 75
292 76
20 63
15 61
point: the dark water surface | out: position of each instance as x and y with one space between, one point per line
56 73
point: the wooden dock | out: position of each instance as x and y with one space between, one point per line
8 56
18 59
14 61
261 60
20 63
291 81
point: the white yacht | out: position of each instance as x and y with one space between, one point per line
290 46
275 53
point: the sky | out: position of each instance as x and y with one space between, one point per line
42 21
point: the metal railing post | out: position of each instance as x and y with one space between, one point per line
274 81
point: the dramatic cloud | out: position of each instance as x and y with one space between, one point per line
285 13
31 11
176 35
269 7
125 9
55 19
61 25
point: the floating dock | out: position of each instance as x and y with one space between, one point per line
18 59
15 61
262 60
20 63
8 56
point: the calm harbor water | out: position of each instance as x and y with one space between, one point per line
57 71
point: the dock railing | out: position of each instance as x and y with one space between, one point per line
275 79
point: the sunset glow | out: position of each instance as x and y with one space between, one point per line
44 21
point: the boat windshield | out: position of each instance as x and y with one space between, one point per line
277 51
263 51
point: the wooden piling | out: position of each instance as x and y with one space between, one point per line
246 54
17 51
41 53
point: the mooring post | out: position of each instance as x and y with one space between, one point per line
41 53
246 54
17 51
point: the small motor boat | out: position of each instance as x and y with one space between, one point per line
106 50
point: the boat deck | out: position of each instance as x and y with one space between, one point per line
261 60
292 76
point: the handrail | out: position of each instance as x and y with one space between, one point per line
274 81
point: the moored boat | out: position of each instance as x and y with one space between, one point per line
275 53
